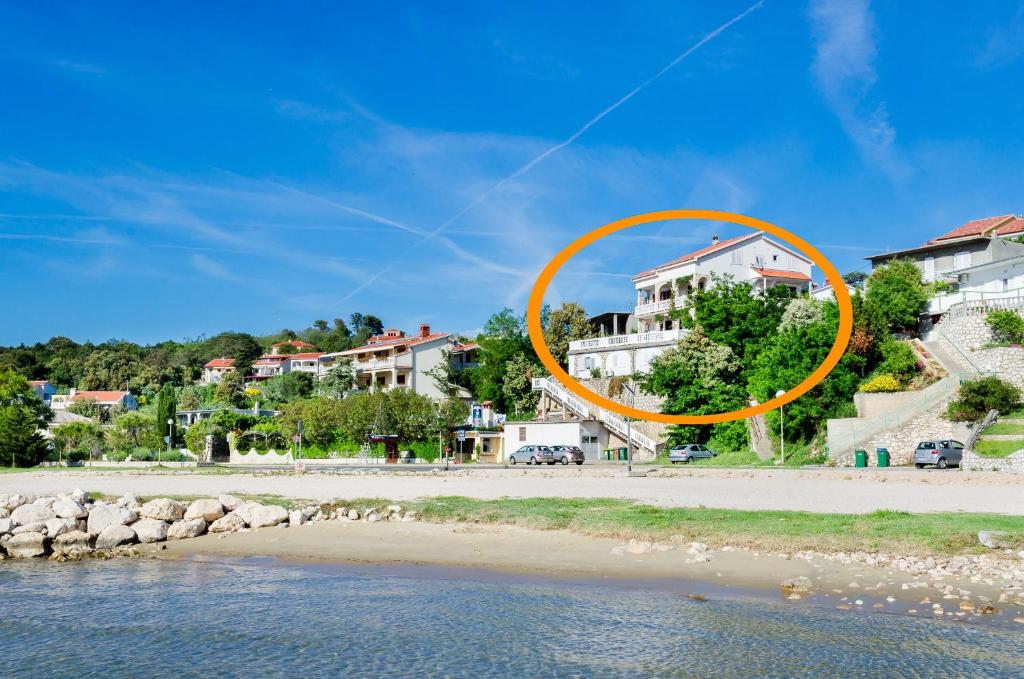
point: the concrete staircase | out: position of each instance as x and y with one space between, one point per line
584 410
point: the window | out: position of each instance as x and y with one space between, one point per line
961 260
401 379
522 433
957 445
929 269
737 257
1006 284
588 363
775 258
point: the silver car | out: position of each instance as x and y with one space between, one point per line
567 454
532 455
942 454
689 452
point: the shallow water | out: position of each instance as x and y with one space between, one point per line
189 619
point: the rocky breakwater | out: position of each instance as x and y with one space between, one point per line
73 526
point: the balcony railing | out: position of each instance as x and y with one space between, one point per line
403 361
649 308
942 303
636 339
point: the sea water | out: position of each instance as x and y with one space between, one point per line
150 618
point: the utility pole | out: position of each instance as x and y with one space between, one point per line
782 425
629 432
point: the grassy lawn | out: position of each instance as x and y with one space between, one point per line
1003 428
997 448
883 530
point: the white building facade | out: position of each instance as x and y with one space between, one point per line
753 258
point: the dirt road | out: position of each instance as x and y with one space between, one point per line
820 490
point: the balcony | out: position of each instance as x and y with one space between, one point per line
387 363
654 337
651 308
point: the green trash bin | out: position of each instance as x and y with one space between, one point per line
623 454
883 456
860 458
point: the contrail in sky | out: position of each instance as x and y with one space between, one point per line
557 147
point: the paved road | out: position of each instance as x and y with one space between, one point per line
823 490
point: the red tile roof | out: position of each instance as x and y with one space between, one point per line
1012 228
38 383
782 273
697 253
977 227
308 354
221 363
397 342
100 396
299 344
271 358
464 346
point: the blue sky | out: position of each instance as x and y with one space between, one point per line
167 172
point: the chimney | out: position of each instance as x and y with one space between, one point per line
424 330
714 239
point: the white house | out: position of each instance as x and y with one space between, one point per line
590 435
270 365
305 362
394 359
214 370
754 258
825 292
104 399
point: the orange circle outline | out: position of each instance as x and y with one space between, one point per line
536 302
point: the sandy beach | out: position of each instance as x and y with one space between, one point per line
818 490
561 555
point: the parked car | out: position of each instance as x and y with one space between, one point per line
567 454
689 452
532 455
942 454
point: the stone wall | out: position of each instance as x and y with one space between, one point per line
1006 362
642 401
966 331
1013 464
902 441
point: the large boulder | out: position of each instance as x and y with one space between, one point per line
4 511
186 528
114 535
150 530
103 516
15 501
73 545
207 509
26 515
44 501
69 509
246 510
37 527
163 509
267 515
296 518
229 502
79 495
26 545
55 527
6 525
228 523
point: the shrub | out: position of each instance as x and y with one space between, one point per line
977 397
881 383
1007 326
898 360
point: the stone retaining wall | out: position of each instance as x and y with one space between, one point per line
902 441
967 332
1013 464
1006 362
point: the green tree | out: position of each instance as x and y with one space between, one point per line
135 430
897 291
733 314
977 397
565 324
77 436
23 416
86 407
321 419
517 387
231 389
698 377
503 339
337 381
290 386
1007 326
789 358
166 409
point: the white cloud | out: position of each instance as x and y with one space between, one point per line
212 268
1004 43
844 68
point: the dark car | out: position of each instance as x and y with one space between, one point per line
567 454
689 452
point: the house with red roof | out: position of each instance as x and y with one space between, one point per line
215 369
394 359
979 241
752 257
